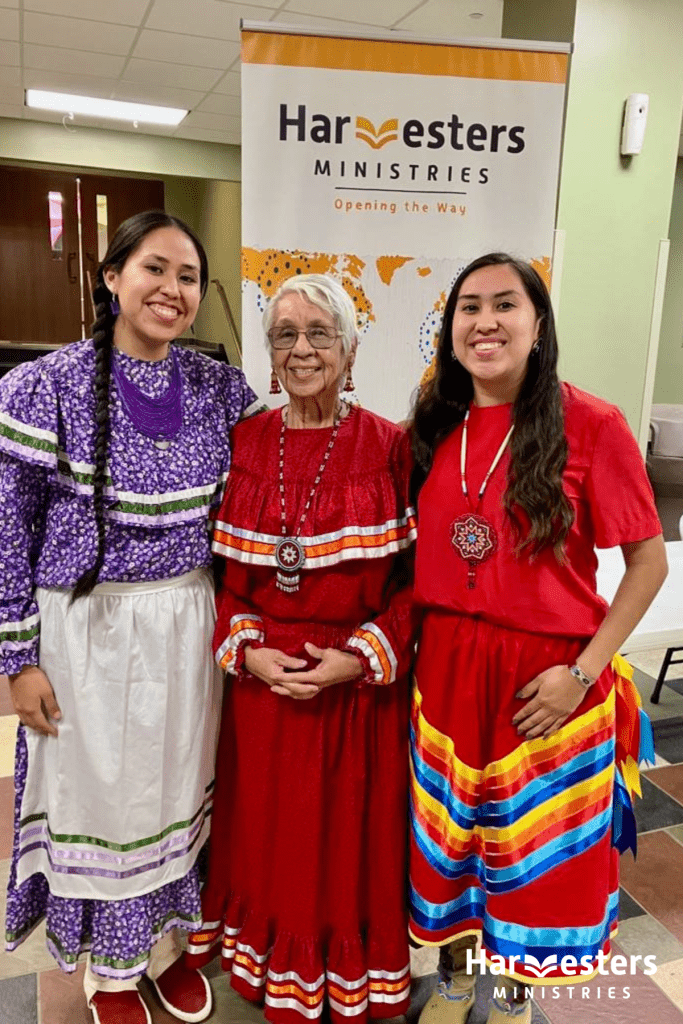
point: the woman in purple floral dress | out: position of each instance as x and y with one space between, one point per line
113 453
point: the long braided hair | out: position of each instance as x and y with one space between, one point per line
538 445
124 243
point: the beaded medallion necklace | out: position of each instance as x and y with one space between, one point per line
473 536
289 552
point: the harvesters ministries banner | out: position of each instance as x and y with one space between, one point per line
390 164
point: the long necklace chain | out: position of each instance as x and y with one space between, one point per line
289 552
472 535
463 463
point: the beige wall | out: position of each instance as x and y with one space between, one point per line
119 151
614 211
669 376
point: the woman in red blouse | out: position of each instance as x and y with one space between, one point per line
306 892
526 729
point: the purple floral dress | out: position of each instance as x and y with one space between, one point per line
158 504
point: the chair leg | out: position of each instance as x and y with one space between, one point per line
661 678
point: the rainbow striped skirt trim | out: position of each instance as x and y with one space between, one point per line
517 840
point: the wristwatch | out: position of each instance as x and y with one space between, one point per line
581 676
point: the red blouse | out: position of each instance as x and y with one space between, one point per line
606 482
358 524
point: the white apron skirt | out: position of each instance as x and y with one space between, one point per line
118 804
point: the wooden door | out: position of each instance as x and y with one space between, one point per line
120 199
39 278
44 289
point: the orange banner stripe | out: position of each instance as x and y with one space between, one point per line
403 57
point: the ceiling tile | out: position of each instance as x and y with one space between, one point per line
212 122
9 24
10 3
59 81
195 51
157 73
315 21
254 3
204 17
8 110
10 76
13 96
120 12
215 103
229 84
45 57
74 34
384 13
9 54
445 19
165 95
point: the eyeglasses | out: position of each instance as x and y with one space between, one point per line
317 336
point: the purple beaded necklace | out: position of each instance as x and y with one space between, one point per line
158 418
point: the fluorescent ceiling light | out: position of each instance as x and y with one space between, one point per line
92 107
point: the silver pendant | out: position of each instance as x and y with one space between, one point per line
162 445
289 557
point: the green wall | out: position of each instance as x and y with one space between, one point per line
219 227
614 211
669 376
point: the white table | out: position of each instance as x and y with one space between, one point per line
662 624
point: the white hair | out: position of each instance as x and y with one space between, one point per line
324 292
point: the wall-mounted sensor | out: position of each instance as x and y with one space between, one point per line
635 119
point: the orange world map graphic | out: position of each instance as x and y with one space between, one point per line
268 268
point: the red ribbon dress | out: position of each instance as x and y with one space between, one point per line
306 892
516 840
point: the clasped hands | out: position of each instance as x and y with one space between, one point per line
288 676
550 699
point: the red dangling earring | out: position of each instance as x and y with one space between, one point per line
275 388
348 383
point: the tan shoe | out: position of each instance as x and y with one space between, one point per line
451 1001
503 1012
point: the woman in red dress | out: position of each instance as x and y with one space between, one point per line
526 733
306 892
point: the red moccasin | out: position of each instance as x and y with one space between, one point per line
184 992
119 1008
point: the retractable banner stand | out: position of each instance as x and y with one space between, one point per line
390 164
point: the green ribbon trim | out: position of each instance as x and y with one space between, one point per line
19 634
66 839
28 440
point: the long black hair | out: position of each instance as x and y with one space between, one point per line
538 444
127 238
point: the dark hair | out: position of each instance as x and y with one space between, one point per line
538 444
127 238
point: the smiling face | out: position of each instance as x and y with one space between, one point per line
158 290
495 326
305 371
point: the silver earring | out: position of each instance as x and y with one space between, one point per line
536 347
454 357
